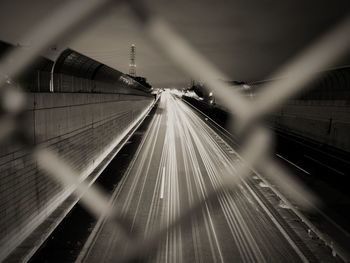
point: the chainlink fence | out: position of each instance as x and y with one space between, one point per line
256 140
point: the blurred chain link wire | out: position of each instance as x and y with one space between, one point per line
255 137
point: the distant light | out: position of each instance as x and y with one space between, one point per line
210 94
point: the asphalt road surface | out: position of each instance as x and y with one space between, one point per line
178 161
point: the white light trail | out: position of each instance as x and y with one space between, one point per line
162 185
301 169
208 173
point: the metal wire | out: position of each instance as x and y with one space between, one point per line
253 154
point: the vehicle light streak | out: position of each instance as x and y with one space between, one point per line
181 165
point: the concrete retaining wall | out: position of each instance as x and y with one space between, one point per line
82 128
326 122
323 121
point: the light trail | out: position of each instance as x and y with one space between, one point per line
162 185
180 162
207 169
301 169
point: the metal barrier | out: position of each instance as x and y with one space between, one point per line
256 138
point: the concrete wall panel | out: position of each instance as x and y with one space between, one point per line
324 123
81 128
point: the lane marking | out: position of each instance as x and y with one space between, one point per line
301 169
320 163
309 224
162 185
278 225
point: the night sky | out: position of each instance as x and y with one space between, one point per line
245 39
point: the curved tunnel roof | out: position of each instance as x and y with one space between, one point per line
73 63
41 63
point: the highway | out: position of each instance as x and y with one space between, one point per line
179 160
